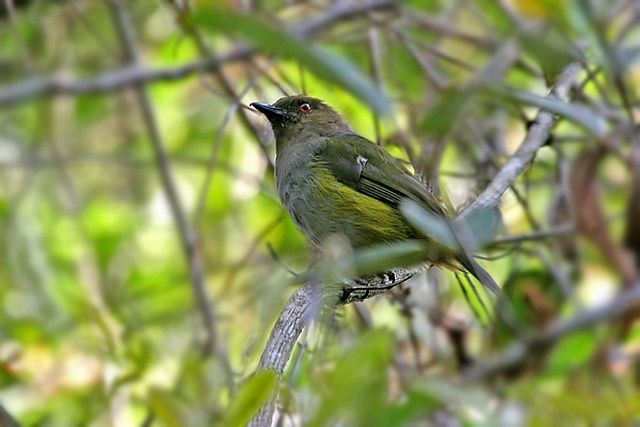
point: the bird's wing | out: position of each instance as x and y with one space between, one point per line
371 170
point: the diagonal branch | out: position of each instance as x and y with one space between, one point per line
533 141
6 419
284 335
300 310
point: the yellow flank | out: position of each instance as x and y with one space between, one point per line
364 220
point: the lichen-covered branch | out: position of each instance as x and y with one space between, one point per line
301 308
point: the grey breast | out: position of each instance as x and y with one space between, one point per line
295 181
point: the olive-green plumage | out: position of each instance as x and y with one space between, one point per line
333 181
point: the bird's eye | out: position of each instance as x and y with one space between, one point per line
305 108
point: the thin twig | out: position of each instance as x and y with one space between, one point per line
223 80
22 45
91 28
445 28
524 349
188 237
212 164
376 67
135 74
561 230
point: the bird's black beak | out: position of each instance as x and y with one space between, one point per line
274 114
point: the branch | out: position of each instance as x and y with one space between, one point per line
136 74
301 308
523 350
187 235
228 89
6 419
553 233
533 141
292 320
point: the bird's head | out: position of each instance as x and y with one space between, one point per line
301 116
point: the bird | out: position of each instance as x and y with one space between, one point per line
332 180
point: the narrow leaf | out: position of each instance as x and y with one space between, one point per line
479 228
383 257
580 115
318 61
549 50
432 226
254 393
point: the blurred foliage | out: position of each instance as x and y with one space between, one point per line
100 324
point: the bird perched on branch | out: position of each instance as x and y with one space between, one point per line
334 181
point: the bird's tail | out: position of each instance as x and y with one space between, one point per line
479 273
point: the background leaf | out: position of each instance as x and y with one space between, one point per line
103 293
250 398
332 68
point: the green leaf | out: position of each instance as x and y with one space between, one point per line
254 393
579 114
473 232
380 258
442 116
550 50
320 62
479 228
431 225
358 380
413 408
166 408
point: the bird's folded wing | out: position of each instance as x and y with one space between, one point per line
371 170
